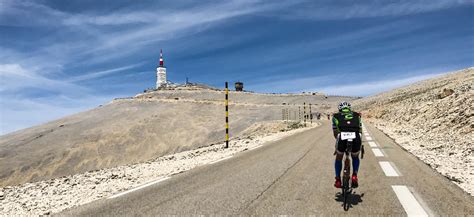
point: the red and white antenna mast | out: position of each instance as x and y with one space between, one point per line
161 58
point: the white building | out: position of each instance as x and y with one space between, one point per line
161 73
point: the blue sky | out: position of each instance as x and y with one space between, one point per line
61 57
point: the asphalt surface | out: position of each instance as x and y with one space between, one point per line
293 176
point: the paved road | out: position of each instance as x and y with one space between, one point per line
294 176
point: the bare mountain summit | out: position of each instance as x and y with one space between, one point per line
138 129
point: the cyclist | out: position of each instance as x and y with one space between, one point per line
346 121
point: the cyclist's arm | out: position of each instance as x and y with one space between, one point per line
335 127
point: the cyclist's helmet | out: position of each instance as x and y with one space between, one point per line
344 105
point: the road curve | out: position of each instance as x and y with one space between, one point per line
294 176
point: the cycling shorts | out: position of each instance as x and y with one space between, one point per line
341 145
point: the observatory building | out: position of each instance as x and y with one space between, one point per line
161 73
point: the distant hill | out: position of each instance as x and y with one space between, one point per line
139 128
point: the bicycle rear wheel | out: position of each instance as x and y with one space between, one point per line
345 182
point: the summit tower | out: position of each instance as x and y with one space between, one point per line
161 73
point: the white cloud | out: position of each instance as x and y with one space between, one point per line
92 75
330 10
370 88
15 78
55 98
88 36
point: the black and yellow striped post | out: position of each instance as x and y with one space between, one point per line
310 114
226 115
304 112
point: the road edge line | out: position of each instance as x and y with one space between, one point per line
138 188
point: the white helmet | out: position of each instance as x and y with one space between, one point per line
343 105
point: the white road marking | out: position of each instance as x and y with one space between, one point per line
372 144
255 147
377 152
408 201
220 160
139 187
368 137
388 168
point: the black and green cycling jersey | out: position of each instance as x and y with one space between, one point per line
347 121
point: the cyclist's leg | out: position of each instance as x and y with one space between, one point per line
340 148
355 154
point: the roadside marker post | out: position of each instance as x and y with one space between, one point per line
226 115
299 113
304 112
288 114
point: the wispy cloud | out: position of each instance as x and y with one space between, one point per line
16 78
372 87
92 75
337 10
53 98
89 34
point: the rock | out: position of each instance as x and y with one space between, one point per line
445 93
2 195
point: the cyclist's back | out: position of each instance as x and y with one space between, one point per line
346 121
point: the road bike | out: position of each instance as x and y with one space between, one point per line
346 177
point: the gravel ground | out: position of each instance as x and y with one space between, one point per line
432 119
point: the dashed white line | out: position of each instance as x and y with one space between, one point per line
372 144
408 201
139 187
388 168
213 162
377 152
368 138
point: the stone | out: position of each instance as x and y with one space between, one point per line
445 93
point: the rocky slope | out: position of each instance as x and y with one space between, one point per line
434 120
138 129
